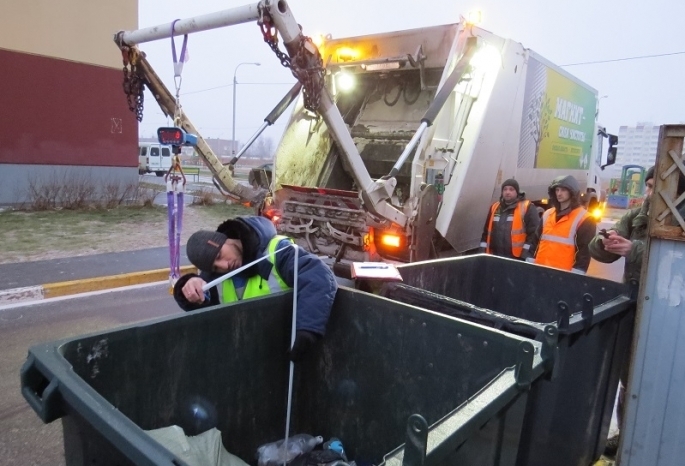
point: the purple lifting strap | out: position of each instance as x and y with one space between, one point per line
179 225
178 64
171 230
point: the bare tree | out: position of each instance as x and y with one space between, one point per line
262 148
265 148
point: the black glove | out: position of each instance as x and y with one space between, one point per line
304 339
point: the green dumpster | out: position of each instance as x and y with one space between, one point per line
569 411
394 382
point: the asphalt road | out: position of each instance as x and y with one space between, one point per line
24 439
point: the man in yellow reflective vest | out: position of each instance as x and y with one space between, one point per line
511 226
566 229
242 240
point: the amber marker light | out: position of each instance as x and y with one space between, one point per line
388 239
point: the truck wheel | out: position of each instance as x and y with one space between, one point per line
159 173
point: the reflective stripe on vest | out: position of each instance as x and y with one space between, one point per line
518 232
558 241
256 286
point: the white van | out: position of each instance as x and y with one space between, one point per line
143 161
153 158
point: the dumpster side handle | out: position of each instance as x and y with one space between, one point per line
563 316
524 364
550 350
41 393
417 441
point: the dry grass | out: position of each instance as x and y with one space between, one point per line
205 197
52 234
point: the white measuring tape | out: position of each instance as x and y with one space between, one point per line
293 331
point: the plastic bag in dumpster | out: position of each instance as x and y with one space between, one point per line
382 375
204 449
277 453
568 415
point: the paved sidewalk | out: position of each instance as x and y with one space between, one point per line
38 280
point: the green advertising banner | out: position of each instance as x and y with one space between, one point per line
558 121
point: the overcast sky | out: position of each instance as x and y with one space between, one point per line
564 32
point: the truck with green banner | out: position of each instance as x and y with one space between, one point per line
437 118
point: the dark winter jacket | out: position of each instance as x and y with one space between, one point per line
316 282
500 240
632 226
586 230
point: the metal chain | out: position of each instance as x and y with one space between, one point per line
271 38
307 67
133 83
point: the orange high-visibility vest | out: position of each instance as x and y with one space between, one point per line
518 232
557 246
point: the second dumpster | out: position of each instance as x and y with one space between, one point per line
568 416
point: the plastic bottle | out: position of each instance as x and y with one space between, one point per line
274 453
336 445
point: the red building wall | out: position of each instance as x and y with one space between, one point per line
59 112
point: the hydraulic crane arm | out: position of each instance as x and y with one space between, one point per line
167 103
306 65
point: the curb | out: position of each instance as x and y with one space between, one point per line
54 290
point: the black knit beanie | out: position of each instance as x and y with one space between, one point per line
513 183
203 247
649 174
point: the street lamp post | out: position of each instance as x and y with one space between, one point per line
235 84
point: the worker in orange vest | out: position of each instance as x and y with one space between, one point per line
566 229
511 226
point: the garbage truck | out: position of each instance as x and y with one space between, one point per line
443 144
398 142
